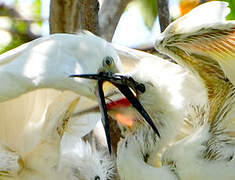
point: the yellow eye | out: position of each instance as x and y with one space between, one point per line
108 61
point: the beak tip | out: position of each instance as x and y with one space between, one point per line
158 134
155 130
72 76
110 150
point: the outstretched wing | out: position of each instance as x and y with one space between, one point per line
216 43
207 47
222 129
203 47
21 119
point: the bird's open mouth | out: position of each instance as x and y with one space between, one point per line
126 86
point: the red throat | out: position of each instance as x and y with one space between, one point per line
119 103
126 120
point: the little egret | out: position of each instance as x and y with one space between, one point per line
168 90
34 75
205 46
82 160
42 68
48 62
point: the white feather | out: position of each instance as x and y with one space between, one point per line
211 13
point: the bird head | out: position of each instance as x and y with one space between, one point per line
81 160
85 53
126 85
48 62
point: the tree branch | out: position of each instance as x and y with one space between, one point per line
88 16
68 16
109 16
163 13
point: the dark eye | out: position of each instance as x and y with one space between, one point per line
97 178
108 61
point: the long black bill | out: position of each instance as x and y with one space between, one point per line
123 83
125 90
103 109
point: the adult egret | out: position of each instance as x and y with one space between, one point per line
46 63
42 68
206 47
35 74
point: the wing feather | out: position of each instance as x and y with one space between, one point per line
217 43
207 48
21 119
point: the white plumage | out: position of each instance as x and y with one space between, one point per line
38 99
207 49
81 160
169 90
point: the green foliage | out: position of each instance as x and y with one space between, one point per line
17 41
20 28
149 10
231 16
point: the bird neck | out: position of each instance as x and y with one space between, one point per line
20 81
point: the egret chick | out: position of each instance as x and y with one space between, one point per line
206 47
164 101
81 160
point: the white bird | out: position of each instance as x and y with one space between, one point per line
60 153
205 46
211 37
46 63
81 160
38 98
163 99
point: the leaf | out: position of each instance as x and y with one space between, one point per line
231 16
149 10
21 26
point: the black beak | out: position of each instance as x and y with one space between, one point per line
123 83
103 110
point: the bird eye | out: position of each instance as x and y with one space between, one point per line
97 177
108 61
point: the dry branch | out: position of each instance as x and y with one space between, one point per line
68 16
109 16
88 15
163 13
